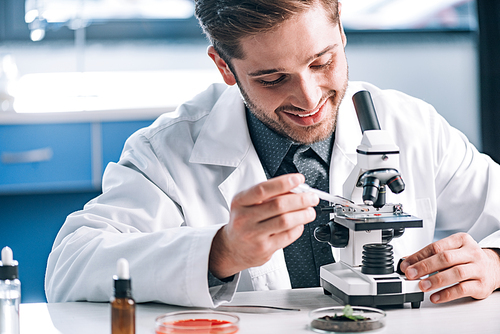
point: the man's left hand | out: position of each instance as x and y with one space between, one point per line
459 264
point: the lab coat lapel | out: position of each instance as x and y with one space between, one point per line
225 141
347 137
224 138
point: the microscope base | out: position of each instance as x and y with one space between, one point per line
351 286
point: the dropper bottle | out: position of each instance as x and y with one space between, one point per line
10 293
122 304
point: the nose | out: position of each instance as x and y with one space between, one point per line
306 93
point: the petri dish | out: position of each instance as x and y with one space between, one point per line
322 322
197 322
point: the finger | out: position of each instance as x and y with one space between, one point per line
460 290
454 241
272 208
287 222
439 262
261 244
286 237
268 189
447 277
283 204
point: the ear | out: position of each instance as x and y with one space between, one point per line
341 27
224 69
342 34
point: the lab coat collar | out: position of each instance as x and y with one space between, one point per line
348 130
224 139
347 138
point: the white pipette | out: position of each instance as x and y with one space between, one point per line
304 188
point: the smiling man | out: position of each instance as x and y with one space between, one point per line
200 202
293 85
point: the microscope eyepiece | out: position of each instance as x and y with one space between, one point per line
365 110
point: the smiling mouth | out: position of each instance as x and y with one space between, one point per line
314 112
307 115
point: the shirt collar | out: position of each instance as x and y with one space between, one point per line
272 147
324 148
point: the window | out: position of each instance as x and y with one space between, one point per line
103 19
174 19
41 15
409 15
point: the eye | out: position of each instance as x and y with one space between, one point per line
320 66
272 83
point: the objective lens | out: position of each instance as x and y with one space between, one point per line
370 190
396 184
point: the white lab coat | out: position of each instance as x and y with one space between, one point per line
165 199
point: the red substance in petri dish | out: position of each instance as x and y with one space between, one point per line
198 326
200 322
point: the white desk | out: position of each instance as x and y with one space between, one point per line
463 316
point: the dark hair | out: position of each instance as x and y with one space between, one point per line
226 22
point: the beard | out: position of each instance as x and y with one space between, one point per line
302 135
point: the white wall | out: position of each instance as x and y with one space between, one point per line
442 70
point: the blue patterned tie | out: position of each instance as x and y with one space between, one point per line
306 254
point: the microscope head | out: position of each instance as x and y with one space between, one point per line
377 157
378 164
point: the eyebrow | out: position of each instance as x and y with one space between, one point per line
275 70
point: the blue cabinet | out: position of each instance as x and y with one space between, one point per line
48 157
45 158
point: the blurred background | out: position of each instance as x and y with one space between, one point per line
77 77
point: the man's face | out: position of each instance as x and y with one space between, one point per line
294 78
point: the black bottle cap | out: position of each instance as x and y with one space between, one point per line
123 287
9 272
8 266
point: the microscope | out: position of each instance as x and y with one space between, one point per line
364 275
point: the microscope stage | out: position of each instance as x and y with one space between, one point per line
370 222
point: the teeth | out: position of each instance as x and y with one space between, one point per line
309 114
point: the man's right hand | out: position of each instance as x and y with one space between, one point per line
263 219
